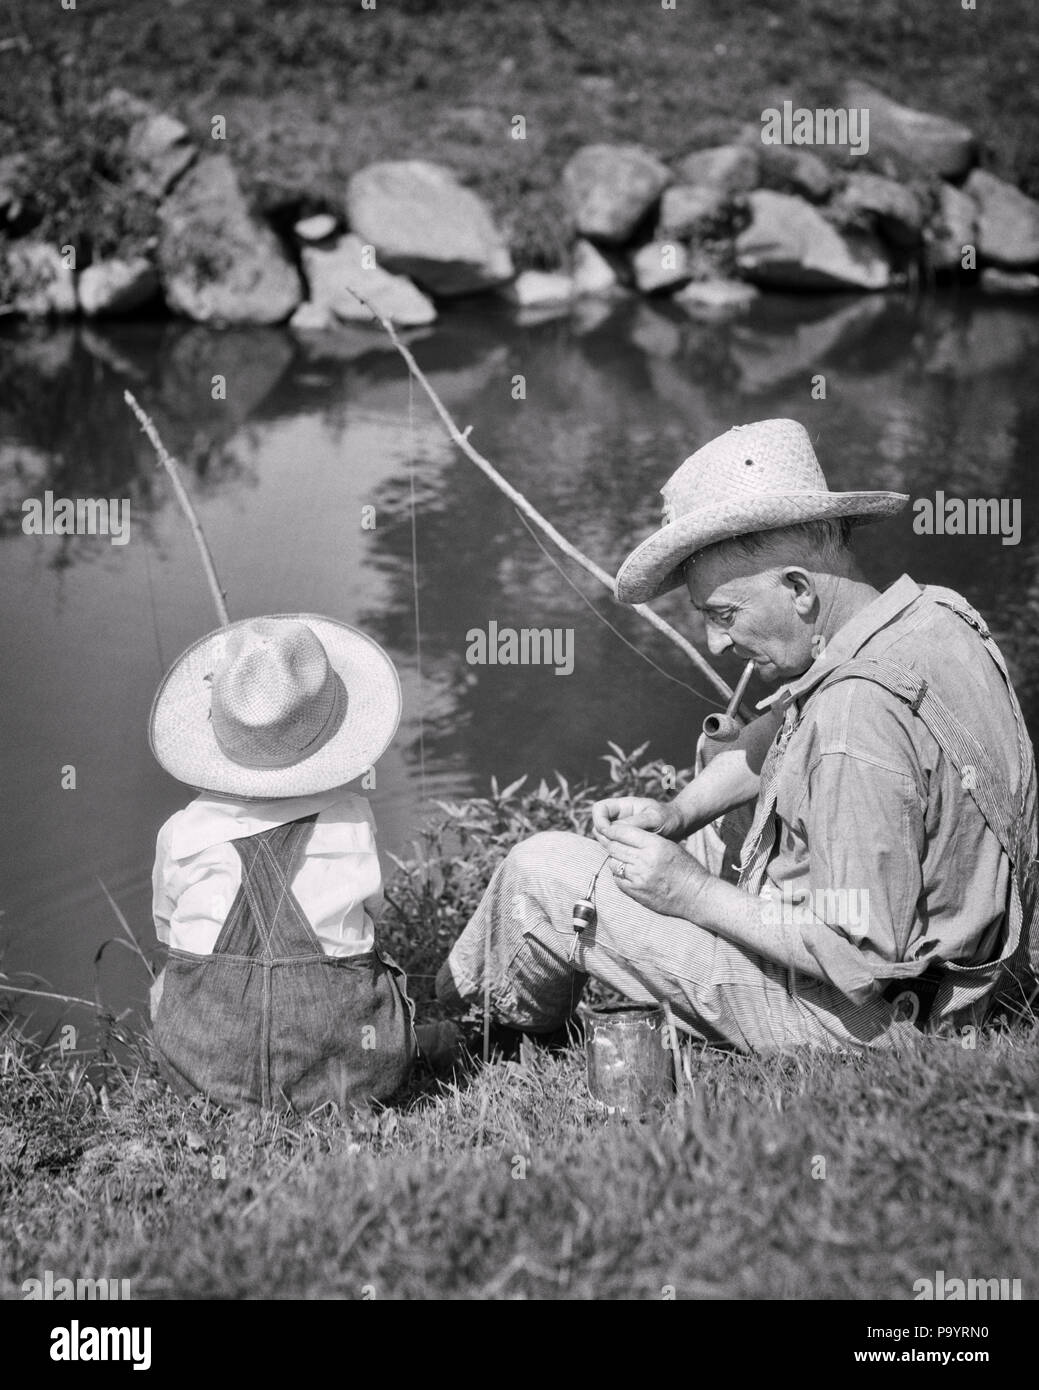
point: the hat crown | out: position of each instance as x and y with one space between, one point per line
275 696
747 461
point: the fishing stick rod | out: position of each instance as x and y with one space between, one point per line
461 439
170 464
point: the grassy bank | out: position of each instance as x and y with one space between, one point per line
802 1177
312 91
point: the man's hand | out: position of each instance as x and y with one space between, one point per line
655 872
642 811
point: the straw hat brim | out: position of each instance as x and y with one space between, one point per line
655 567
182 739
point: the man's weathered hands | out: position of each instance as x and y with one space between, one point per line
655 872
634 810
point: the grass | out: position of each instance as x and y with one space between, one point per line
313 91
811 1176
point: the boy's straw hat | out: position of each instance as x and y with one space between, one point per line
276 706
752 478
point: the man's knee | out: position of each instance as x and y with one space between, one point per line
554 861
549 852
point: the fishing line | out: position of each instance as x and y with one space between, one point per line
414 584
584 916
700 695
155 616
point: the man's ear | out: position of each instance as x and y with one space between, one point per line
802 586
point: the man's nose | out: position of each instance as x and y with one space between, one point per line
717 640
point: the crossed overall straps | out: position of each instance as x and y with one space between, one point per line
266 922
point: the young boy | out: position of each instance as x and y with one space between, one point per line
267 885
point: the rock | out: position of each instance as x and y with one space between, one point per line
252 359
716 299
12 171
336 344
332 272
660 265
894 210
589 314
765 354
117 286
533 288
955 227
1008 221
914 140
996 281
41 284
320 227
48 351
790 245
159 148
592 272
611 188
533 315
219 261
653 333
688 211
424 224
312 318
795 171
728 168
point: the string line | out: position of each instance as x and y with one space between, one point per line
606 622
155 616
414 584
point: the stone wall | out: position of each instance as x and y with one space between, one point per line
776 208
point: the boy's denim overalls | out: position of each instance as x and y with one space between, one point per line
269 1019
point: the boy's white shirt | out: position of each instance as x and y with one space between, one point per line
197 870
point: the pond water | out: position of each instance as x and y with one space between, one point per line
920 396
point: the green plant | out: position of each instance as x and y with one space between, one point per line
436 890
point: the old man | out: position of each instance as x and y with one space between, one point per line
887 877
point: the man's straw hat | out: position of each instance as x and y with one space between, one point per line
276 706
752 478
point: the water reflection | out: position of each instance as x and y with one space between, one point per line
286 443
